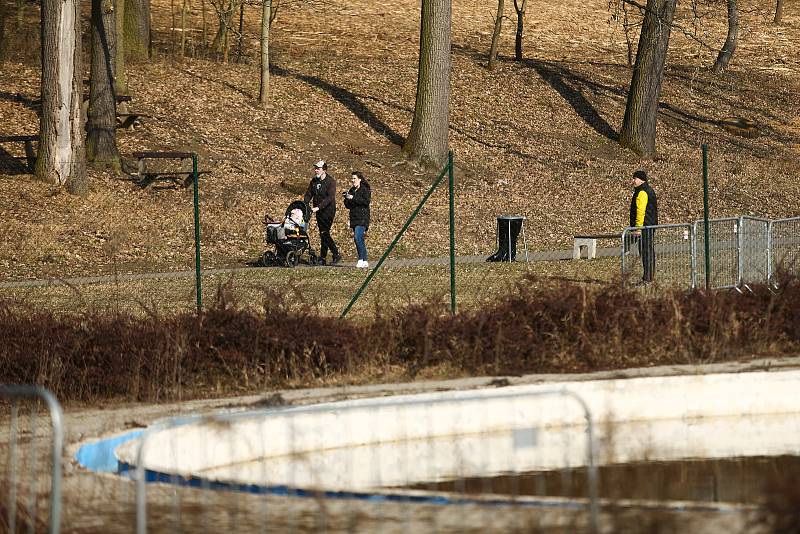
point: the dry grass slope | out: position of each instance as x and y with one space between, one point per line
534 138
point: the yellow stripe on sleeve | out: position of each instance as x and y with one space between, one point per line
641 207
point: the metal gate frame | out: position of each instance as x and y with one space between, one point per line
692 247
736 230
16 392
771 241
744 258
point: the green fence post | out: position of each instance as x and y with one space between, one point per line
393 243
705 215
452 233
197 276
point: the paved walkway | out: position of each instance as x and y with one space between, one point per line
553 255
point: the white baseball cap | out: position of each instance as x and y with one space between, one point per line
320 164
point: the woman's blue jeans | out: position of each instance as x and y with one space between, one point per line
358 238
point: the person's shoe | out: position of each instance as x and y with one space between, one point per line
366 264
359 264
337 259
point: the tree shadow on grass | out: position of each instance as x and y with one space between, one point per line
572 87
351 101
13 165
224 83
30 103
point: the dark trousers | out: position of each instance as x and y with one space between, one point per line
648 253
324 223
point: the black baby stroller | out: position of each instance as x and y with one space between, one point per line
291 244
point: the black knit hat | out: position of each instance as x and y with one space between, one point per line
640 174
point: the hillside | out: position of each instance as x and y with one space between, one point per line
533 138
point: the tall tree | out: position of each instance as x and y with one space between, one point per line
266 21
727 50
639 125
3 15
778 12
519 7
61 158
120 74
498 25
225 11
427 141
137 29
101 127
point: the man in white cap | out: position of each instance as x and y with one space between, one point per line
321 195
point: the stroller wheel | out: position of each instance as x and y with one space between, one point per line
292 258
268 258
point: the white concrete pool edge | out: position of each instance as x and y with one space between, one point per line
658 411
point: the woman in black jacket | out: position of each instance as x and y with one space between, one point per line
357 200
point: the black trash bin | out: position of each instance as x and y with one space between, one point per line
508 229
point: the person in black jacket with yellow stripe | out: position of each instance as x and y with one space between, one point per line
644 213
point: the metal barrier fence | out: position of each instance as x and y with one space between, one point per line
753 251
21 469
784 246
418 463
662 253
723 253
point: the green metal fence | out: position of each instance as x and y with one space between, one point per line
447 170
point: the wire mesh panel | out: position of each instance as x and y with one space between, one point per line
753 250
30 480
723 253
422 463
661 254
784 241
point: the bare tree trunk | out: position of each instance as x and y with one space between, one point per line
3 16
274 5
101 128
498 25
120 76
266 19
427 141
240 39
726 53
626 26
225 11
172 28
639 125
61 158
20 13
184 9
137 29
519 7
205 26
778 12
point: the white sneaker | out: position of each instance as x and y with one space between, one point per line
366 264
360 264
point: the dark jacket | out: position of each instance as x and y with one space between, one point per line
322 194
644 206
359 205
